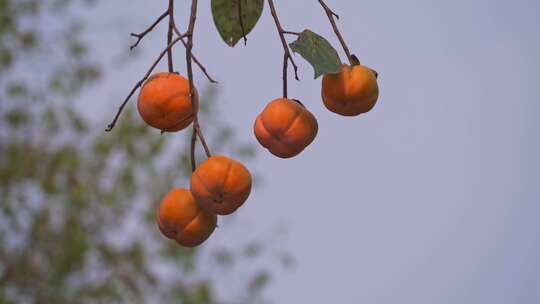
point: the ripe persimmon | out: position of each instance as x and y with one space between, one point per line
285 127
352 91
221 184
180 218
164 102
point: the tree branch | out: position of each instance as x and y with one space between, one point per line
140 36
170 33
287 53
331 16
201 67
193 142
189 59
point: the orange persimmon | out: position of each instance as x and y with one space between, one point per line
221 185
352 91
164 102
180 218
285 127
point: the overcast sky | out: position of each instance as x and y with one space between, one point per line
432 197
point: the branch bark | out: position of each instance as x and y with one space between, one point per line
189 59
141 35
330 14
287 53
170 33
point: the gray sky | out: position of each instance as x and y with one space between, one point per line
433 197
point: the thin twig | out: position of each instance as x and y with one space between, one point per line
140 36
285 68
241 21
331 16
193 142
292 33
201 136
189 59
287 53
170 33
140 83
199 64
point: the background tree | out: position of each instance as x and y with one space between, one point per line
76 225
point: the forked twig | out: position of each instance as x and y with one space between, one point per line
141 35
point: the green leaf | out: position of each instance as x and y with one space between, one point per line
227 18
318 52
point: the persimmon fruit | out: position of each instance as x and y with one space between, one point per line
285 127
221 185
164 102
351 92
180 218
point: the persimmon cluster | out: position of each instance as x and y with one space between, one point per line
169 102
220 185
285 127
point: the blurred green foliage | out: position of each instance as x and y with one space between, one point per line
77 205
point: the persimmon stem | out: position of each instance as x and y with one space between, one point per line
193 142
170 33
285 68
330 13
189 65
201 137
287 53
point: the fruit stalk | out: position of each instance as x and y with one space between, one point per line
189 61
287 52
170 32
193 142
330 13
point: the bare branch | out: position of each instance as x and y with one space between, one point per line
199 64
140 36
189 60
287 53
331 16
170 33
193 142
